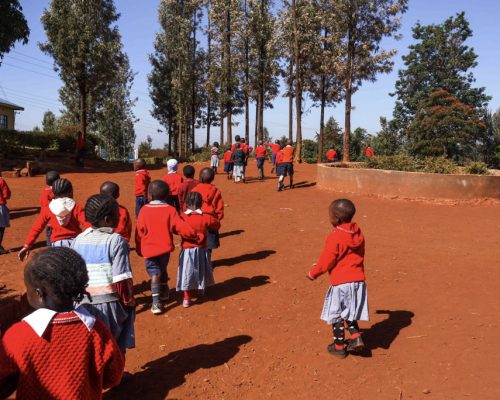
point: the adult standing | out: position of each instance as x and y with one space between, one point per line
260 156
286 167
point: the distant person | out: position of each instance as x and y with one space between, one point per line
228 163
275 149
278 161
47 196
331 155
260 156
80 150
141 184
189 184
57 351
369 152
238 159
195 268
214 158
4 211
174 182
124 226
286 166
346 301
237 140
247 150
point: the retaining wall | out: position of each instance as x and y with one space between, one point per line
410 185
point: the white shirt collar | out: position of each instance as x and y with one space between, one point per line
157 202
40 319
197 211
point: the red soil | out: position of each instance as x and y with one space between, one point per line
432 273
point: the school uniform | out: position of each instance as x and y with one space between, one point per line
46 197
260 156
287 161
124 227
4 211
212 204
331 155
275 149
174 182
141 185
214 159
228 162
238 159
186 187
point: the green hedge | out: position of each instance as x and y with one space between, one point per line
402 162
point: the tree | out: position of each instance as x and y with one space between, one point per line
85 47
145 147
360 139
49 123
388 140
332 137
363 24
440 59
444 126
13 26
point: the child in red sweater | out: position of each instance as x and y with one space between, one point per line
124 226
65 216
157 223
4 211
343 259
212 204
189 184
260 156
174 182
195 269
58 352
47 196
141 184
228 163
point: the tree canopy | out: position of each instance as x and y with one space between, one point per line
13 26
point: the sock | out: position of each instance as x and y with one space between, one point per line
186 295
155 290
353 328
338 335
2 231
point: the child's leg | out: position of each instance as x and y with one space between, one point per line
280 182
356 342
338 335
164 290
2 232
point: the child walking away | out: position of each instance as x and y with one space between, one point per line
65 216
275 149
286 166
58 352
278 161
195 269
188 185
141 184
4 211
214 159
124 226
260 156
228 163
238 159
157 223
212 204
174 182
47 196
107 257
346 301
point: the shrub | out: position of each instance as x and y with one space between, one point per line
404 162
439 165
476 168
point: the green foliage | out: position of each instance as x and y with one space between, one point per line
404 162
13 26
145 147
439 165
388 140
332 137
49 123
360 139
476 168
310 151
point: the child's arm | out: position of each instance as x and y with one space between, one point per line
129 226
80 216
9 374
213 224
218 206
139 233
38 226
184 230
112 357
327 260
122 271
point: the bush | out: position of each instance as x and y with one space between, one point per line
439 165
404 162
476 168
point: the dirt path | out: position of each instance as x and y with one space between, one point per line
433 289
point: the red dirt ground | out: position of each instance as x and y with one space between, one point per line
432 273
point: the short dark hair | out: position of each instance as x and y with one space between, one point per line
207 175
110 188
216 144
237 138
158 190
62 187
188 171
193 199
98 207
343 209
51 177
141 163
61 270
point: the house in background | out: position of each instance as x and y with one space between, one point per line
8 114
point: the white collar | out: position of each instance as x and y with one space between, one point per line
197 211
40 319
157 202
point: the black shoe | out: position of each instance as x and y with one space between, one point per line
3 251
291 186
355 344
340 353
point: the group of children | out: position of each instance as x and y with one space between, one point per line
82 290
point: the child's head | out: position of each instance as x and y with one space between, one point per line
242 140
261 142
193 201
62 188
158 190
51 177
55 278
237 138
172 165
216 144
139 164
341 211
101 210
289 143
111 189
207 175
188 171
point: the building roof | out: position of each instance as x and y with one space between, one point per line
8 104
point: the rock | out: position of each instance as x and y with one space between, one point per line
426 391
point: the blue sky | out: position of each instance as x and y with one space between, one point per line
27 77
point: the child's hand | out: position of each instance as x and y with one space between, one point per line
308 276
23 253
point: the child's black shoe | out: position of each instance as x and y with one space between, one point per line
355 344
334 351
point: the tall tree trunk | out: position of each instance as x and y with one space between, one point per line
321 121
221 127
290 99
260 132
229 76
193 87
247 79
348 98
83 109
298 87
170 138
256 121
209 59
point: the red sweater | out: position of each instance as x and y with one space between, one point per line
156 224
174 182
124 227
67 362
212 199
71 230
46 197
260 152
186 187
200 224
279 158
331 155
4 192
141 184
343 255
369 152
288 154
275 147
227 157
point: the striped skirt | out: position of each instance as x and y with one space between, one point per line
348 302
4 216
195 269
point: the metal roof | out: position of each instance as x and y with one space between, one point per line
10 105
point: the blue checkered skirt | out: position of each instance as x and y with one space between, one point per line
348 302
195 269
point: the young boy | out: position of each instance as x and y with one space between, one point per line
260 156
142 180
275 149
47 196
174 182
331 155
124 226
343 258
157 223
286 166
228 163
188 185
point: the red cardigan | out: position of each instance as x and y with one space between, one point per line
67 362
124 227
260 152
59 232
141 184
156 224
200 224
174 182
46 197
343 255
4 192
212 199
186 187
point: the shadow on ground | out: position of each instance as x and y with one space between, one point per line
23 212
231 261
231 233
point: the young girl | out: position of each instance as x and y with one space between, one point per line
214 159
238 159
58 352
4 211
106 254
195 269
174 182
64 216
